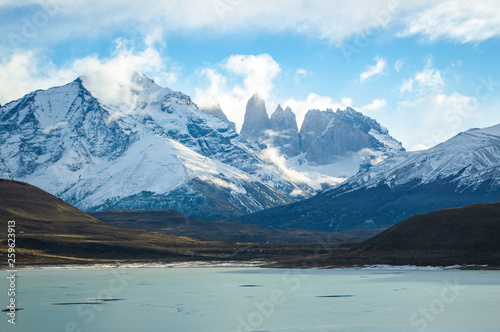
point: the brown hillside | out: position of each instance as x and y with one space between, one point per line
50 231
467 235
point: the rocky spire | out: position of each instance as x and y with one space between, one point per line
256 118
283 119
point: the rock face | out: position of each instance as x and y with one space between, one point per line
156 151
324 136
345 141
461 171
284 134
282 120
256 119
327 135
315 123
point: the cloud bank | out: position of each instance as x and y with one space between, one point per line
335 21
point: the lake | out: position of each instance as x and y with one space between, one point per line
220 299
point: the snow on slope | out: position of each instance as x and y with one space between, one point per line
462 171
473 157
141 140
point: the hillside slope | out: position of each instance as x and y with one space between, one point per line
467 235
50 231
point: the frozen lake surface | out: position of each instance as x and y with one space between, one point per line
208 299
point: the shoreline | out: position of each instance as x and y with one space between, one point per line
248 264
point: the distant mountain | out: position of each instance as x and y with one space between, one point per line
135 145
143 147
327 135
331 144
461 171
284 133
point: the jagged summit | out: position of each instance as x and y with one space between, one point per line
284 134
283 119
327 135
134 145
346 140
256 118
461 171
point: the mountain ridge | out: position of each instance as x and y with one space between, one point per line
461 171
66 141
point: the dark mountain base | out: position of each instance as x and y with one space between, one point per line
459 236
373 208
172 222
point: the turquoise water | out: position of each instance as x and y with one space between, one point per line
251 299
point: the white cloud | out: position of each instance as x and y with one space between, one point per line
235 80
459 20
335 21
377 69
331 20
300 74
258 71
374 106
398 65
407 85
304 175
438 117
429 79
24 72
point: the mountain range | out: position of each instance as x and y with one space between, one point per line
461 171
144 147
325 137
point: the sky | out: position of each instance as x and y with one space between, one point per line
426 70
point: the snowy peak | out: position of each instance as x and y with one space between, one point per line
136 145
462 171
469 160
217 111
256 118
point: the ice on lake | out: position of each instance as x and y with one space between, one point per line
220 299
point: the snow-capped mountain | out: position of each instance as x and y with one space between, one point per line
471 158
135 146
330 147
461 171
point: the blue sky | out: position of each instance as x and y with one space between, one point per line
426 69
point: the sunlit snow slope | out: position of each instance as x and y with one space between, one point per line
138 146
